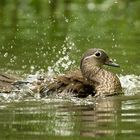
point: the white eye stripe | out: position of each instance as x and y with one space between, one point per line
93 55
97 55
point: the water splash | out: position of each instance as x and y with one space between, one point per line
131 84
65 61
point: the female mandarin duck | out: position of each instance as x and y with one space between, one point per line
91 79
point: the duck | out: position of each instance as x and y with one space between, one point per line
90 79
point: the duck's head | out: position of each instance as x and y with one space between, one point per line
97 57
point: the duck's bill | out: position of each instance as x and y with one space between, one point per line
111 63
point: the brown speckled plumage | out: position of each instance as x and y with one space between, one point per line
68 84
91 79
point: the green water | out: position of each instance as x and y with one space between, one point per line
111 118
33 34
41 34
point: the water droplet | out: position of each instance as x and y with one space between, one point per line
24 66
6 54
67 20
3 47
49 1
91 6
44 34
126 61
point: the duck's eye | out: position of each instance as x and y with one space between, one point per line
97 54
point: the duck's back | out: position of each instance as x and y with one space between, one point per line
71 83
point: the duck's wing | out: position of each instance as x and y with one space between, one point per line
6 82
71 83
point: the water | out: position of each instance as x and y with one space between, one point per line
42 36
111 118
31 117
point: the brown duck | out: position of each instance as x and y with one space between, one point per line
91 79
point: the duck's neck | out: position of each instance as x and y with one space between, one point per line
104 82
88 70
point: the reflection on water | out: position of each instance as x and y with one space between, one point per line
113 117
